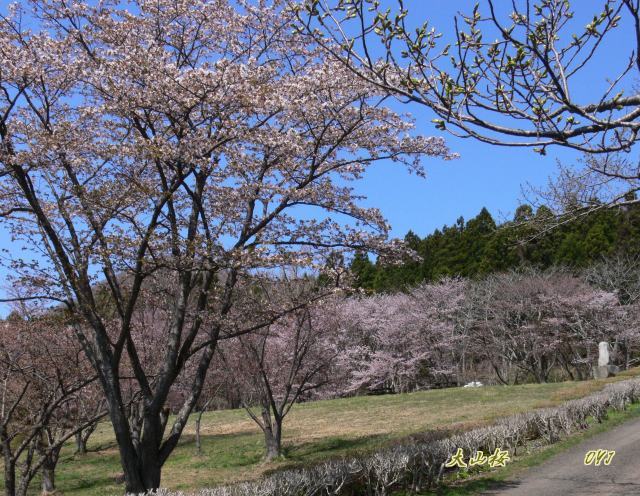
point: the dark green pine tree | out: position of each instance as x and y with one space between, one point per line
628 228
477 236
363 271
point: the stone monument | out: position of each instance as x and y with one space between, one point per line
604 369
603 354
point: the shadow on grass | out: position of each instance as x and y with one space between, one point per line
81 485
248 449
335 445
220 451
335 448
483 486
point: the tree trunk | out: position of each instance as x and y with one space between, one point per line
273 444
151 474
142 459
128 455
151 464
462 378
139 451
48 480
627 356
272 436
81 444
198 442
49 464
9 476
82 438
143 476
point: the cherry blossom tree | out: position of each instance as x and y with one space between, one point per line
89 405
620 275
401 342
528 324
44 377
178 145
281 364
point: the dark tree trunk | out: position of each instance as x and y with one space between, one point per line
150 449
81 444
498 373
142 446
48 480
82 438
9 463
144 472
540 368
142 458
151 474
198 441
272 435
49 464
128 455
140 440
141 476
9 476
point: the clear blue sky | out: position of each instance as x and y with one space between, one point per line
484 176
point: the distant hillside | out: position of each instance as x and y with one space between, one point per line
480 246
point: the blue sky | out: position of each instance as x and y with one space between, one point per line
483 176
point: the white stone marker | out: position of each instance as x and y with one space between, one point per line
603 356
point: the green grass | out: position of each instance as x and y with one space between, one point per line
232 444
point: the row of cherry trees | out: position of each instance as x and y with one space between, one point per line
48 396
506 329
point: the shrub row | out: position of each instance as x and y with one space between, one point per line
419 464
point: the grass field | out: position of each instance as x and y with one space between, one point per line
232 444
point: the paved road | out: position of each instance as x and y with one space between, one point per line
566 474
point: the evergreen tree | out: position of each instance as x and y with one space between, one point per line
480 246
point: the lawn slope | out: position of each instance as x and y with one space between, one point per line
232 444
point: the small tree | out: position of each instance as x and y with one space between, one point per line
89 405
279 365
400 342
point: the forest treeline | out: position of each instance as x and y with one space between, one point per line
482 246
